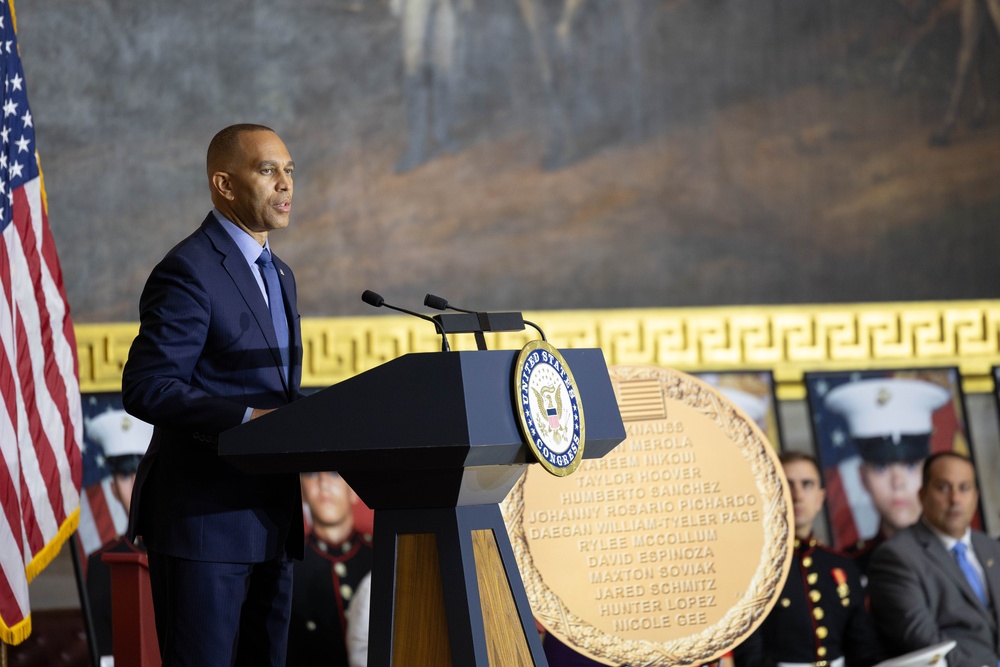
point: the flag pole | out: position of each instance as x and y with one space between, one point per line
76 549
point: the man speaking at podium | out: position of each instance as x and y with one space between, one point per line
219 344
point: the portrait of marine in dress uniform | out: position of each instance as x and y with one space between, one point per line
338 554
123 440
113 442
872 430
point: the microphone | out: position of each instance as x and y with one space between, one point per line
375 299
440 303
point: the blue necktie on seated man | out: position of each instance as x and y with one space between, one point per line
970 572
276 305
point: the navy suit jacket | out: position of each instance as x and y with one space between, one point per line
206 351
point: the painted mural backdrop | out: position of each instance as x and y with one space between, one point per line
535 154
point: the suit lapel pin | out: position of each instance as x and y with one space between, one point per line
989 562
281 271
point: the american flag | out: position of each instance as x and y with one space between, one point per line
40 415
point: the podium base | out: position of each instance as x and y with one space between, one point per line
446 591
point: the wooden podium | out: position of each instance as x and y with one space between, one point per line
431 443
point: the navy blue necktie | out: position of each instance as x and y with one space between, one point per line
276 305
970 572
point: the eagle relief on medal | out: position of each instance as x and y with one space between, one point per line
669 549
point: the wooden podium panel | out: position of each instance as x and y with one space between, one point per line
133 626
505 643
420 627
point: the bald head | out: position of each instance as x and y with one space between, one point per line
225 146
250 178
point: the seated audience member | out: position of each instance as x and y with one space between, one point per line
939 580
890 423
820 616
124 440
336 559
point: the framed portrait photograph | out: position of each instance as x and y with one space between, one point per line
754 393
872 430
113 442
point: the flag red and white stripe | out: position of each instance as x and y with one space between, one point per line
40 413
102 517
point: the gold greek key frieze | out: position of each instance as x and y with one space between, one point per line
788 340
102 350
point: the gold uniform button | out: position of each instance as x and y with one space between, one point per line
815 596
821 651
812 578
807 561
821 632
785 602
846 602
340 569
818 614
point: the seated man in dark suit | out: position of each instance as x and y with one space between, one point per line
939 580
820 617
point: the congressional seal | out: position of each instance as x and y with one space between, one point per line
670 549
549 410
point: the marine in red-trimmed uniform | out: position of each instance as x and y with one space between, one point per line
820 617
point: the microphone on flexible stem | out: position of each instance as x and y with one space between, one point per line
440 303
375 299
